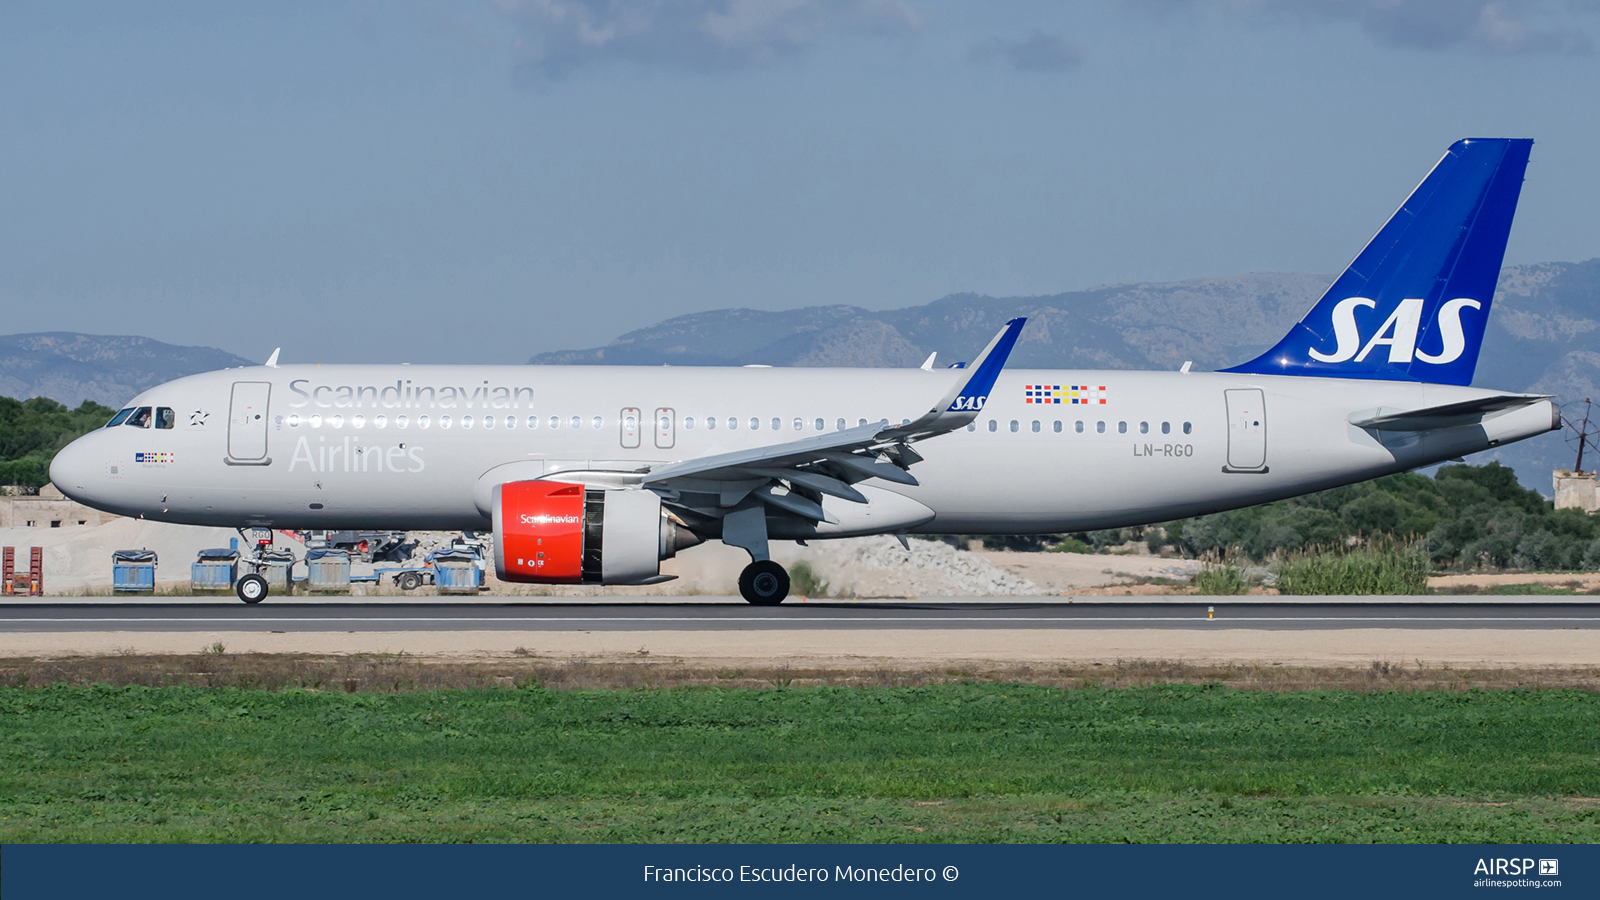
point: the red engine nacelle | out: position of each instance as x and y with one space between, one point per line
554 532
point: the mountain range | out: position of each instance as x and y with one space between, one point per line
108 369
1543 337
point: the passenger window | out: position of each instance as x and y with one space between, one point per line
120 417
993 425
860 422
596 422
577 422
337 421
381 420
820 425
1144 427
688 422
1058 426
555 422
971 426
732 423
799 425
1166 427
1100 427
1186 427
1122 428
165 417
422 421
400 421
533 422
777 423
1013 426
466 421
711 423
755 424
1035 426
1078 426
511 421
140 418
841 424
488 421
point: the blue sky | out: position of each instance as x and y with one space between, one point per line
458 182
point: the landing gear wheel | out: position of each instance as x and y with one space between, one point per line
251 589
408 581
764 583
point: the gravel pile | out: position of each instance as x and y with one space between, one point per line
879 565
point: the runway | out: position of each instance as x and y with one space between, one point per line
1212 614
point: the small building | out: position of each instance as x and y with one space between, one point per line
1576 490
47 509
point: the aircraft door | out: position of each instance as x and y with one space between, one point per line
247 421
666 422
630 427
1247 431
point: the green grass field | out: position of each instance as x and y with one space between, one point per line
946 763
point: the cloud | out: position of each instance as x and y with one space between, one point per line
556 37
1039 52
1499 27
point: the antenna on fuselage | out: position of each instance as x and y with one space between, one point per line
272 361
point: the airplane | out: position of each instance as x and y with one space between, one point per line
593 475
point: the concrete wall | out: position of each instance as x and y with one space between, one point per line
48 509
1575 490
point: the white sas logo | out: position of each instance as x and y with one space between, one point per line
969 403
1399 332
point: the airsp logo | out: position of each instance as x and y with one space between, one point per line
1399 332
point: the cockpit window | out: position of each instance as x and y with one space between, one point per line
120 417
140 418
165 417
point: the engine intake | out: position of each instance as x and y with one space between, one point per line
554 532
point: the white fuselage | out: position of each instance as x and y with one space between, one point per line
407 447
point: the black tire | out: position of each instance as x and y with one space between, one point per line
764 583
408 581
252 589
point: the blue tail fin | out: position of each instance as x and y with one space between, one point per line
1413 305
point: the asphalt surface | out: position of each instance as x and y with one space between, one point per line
287 616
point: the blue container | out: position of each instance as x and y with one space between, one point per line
455 571
277 567
328 570
133 571
214 570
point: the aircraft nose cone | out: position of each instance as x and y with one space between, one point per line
72 469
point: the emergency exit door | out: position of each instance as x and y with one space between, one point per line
1247 431
631 424
247 421
666 427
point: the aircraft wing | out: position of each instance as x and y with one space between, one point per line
793 475
1467 412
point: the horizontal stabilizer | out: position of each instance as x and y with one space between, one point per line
1467 412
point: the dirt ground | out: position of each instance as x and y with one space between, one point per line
525 668
865 649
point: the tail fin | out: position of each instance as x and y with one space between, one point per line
1413 305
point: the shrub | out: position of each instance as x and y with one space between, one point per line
1221 578
805 581
1383 568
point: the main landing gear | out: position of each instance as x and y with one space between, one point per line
764 583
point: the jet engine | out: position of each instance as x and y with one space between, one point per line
553 532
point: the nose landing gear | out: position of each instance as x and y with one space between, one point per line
251 589
764 583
